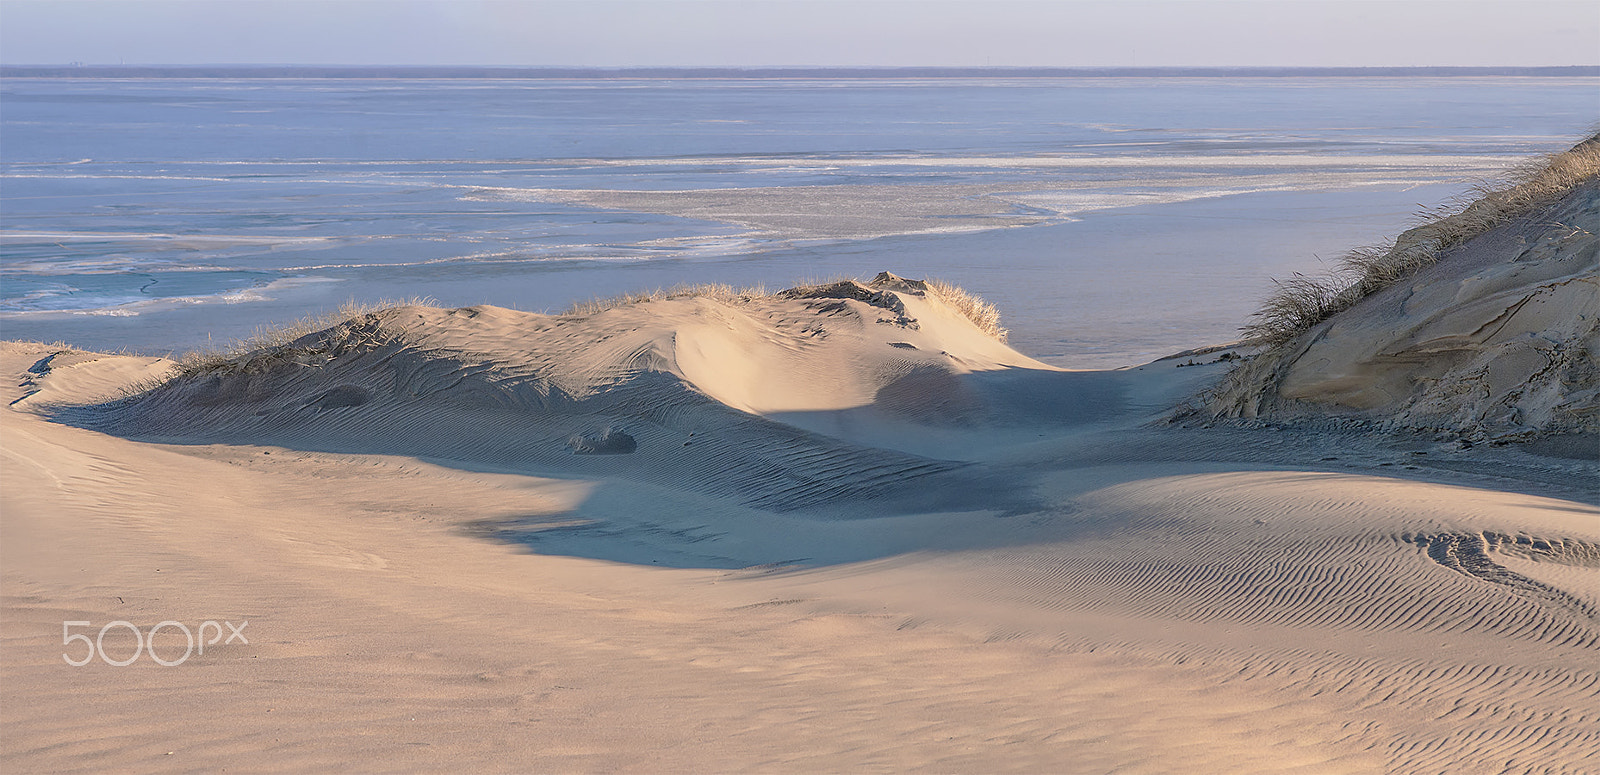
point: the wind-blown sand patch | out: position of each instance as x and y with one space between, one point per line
855 532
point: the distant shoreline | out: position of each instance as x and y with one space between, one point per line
462 72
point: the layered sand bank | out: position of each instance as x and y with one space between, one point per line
840 528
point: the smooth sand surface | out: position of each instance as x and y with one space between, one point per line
853 533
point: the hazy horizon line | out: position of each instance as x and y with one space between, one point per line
80 70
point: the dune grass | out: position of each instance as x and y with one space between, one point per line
982 314
274 339
1302 301
58 346
715 291
270 344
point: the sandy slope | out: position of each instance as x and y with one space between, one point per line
1498 339
838 532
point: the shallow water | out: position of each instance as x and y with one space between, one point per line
1113 220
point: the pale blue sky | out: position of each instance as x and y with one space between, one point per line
627 33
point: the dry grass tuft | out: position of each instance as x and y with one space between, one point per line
1301 302
984 315
58 346
272 343
715 291
815 284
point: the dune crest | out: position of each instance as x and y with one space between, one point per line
682 390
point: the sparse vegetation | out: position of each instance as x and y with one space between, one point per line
1302 301
58 345
716 291
984 315
275 338
269 345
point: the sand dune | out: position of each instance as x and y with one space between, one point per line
683 386
839 528
1498 338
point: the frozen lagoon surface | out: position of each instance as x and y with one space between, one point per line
1113 220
